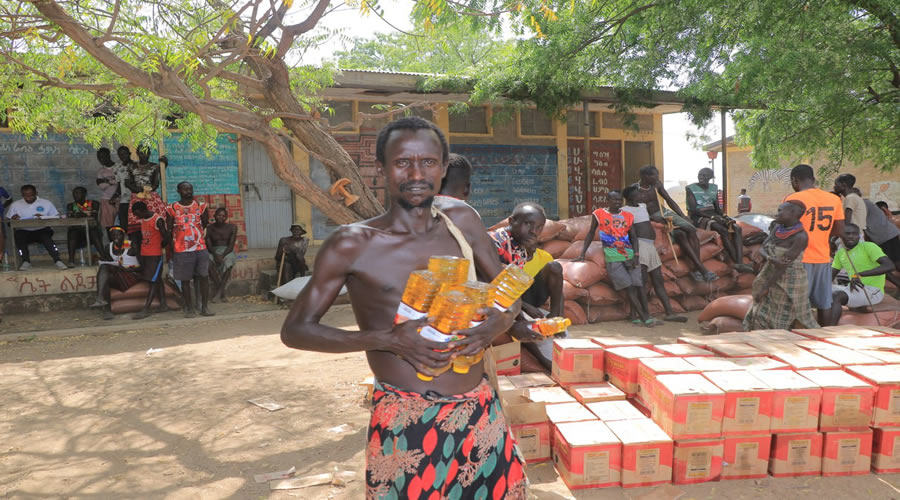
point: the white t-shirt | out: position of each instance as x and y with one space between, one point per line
639 212
27 211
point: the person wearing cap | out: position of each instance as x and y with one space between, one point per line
705 212
292 251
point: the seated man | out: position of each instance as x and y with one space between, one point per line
119 269
781 290
33 207
290 257
75 236
518 244
615 230
866 265
651 265
880 229
703 207
220 239
650 189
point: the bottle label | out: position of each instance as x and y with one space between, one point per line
406 313
500 308
432 333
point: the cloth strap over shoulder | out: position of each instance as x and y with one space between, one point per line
460 240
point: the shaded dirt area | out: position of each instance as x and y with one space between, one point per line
97 417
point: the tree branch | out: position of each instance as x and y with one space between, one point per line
112 23
290 33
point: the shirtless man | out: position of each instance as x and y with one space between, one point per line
703 206
373 259
220 238
650 188
651 265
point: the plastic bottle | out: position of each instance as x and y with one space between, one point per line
448 269
421 288
551 326
450 311
511 283
483 296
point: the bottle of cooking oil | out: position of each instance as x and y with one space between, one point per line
448 269
511 283
451 310
421 288
483 296
551 326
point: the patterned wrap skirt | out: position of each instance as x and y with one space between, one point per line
441 447
786 303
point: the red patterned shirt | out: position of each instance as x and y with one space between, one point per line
188 226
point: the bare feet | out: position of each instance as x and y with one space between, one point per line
190 313
99 303
141 315
206 312
108 315
675 319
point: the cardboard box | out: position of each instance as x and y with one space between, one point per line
746 457
758 363
594 393
801 359
621 341
681 350
867 343
568 412
646 452
748 403
845 357
705 341
687 406
712 364
697 460
795 401
577 361
531 380
847 453
886 379
608 411
846 400
886 451
587 455
549 395
530 426
888 357
779 335
885 330
817 333
650 368
736 350
796 454
854 331
622 367
508 358
504 385
809 345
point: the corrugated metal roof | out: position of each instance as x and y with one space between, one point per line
387 72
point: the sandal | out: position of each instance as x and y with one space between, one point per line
710 276
697 276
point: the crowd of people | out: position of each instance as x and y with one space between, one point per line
136 235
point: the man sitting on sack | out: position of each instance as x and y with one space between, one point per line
866 266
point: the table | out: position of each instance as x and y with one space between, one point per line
87 222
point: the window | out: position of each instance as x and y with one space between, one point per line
534 122
472 121
339 112
617 120
421 110
575 123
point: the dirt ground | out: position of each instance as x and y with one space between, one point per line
97 416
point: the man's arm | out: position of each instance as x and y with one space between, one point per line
130 183
884 266
632 237
232 238
52 211
669 201
588 239
163 231
302 329
204 217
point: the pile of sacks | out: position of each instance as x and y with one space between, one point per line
726 314
590 297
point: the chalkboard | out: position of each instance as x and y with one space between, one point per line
216 174
606 175
54 164
504 176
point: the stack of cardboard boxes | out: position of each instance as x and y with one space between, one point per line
622 412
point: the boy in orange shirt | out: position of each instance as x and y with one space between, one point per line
823 218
